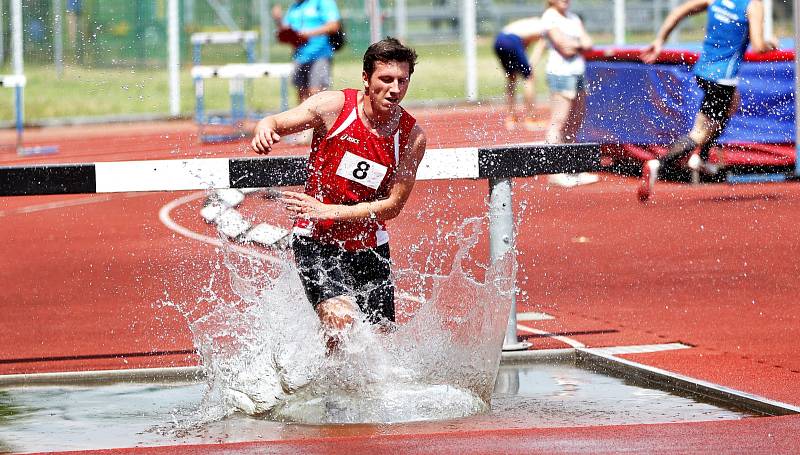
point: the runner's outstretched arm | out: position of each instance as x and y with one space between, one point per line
314 112
651 52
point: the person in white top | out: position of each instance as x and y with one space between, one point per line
567 40
510 46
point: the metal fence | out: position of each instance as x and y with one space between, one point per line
132 35
122 32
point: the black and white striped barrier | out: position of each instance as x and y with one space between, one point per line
510 161
496 164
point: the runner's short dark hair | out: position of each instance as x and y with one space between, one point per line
389 50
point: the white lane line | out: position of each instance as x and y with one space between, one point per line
640 349
568 341
93 199
166 219
611 350
534 316
57 205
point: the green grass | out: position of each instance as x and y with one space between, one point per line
98 92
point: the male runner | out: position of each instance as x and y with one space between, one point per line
732 24
364 158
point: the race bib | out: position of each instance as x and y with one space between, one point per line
361 170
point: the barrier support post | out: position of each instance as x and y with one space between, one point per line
196 53
19 115
501 240
238 110
250 50
199 106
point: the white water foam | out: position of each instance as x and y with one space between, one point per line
263 352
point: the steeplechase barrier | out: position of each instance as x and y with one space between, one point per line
18 82
236 74
498 165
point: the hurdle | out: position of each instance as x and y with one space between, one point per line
18 82
498 165
248 39
236 74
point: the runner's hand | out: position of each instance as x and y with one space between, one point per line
263 139
303 206
772 43
650 53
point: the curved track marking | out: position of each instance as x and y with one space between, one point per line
166 219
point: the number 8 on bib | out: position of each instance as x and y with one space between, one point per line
361 170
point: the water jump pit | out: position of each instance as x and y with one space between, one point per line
538 389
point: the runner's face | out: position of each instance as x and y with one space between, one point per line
388 85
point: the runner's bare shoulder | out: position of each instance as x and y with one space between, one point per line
327 104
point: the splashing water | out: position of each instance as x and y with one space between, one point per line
264 352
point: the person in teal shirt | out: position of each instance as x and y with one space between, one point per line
309 23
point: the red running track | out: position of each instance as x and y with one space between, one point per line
713 266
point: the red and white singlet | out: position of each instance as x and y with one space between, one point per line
351 165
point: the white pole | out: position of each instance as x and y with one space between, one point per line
174 58
265 17
400 20
375 31
619 22
469 32
17 64
16 37
58 37
769 29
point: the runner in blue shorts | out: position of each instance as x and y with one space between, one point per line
510 46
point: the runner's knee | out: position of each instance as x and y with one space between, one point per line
337 312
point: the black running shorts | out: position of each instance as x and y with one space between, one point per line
717 99
328 270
